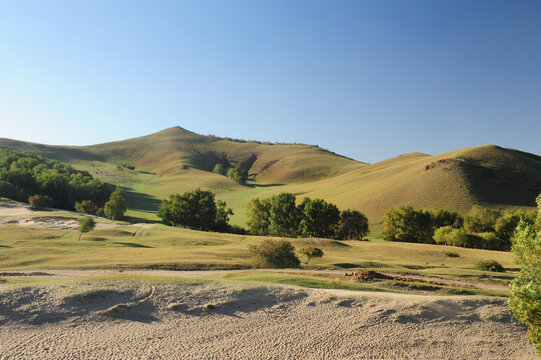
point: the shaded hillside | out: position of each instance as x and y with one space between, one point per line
488 175
174 150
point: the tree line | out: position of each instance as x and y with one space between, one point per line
281 216
480 228
23 175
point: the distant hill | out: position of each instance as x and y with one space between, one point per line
171 151
487 175
176 160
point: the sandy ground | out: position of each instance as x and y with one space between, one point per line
237 321
12 213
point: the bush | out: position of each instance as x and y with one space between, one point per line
311 253
274 254
489 265
39 201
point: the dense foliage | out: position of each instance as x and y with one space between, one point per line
197 210
24 174
489 265
280 216
116 206
274 254
481 228
525 289
235 173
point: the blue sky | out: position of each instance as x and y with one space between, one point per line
367 79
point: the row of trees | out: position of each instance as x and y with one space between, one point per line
198 210
281 216
25 174
235 173
481 227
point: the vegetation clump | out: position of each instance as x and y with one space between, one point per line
235 173
274 254
489 265
39 201
280 216
196 210
481 228
311 253
116 206
86 224
525 289
86 207
24 174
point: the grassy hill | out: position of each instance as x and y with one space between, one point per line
176 160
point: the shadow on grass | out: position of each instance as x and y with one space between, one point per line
134 245
141 202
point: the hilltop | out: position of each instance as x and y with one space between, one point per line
175 160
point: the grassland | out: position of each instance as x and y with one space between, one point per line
176 160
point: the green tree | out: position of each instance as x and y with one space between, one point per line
505 226
481 219
274 254
311 253
222 217
193 209
86 224
353 225
406 224
441 218
525 289
219 169
86 206
319 218
259 216
448 235
116 206
284 215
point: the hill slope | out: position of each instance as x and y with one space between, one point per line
488 175
176 160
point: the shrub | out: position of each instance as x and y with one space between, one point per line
311 253
274 254
489 265
39 201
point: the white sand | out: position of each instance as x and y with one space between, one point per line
172 321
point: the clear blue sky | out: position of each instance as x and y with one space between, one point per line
367 79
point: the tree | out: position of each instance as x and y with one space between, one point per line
448 235
86 224
311 253
441 218
274 254
481 219
219 169
319 218
116 206
406 224
525 289
222 217
284 215
86 206
193 209
505 228
353 225
259 216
